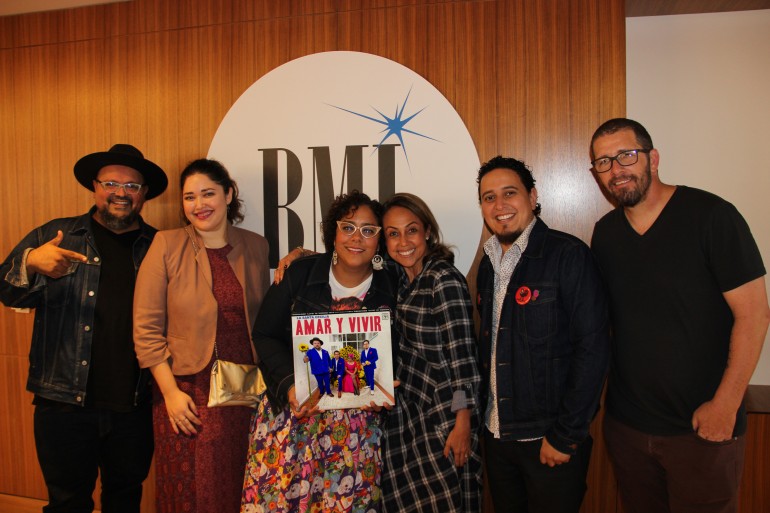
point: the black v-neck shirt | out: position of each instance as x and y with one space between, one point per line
670 320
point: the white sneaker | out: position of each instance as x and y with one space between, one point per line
372 392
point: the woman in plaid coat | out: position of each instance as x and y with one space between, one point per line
431 456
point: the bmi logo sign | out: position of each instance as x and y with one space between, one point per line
331 122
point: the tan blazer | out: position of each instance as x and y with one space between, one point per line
175 313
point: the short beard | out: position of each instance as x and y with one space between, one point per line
505 238
631 198
117 223
508 239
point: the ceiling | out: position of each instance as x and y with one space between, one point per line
633 7
11 7
664 7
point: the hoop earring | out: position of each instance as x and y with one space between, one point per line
377 262
334 257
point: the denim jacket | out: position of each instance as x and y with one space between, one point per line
304 289
552 349
64 308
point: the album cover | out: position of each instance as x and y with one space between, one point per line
343 359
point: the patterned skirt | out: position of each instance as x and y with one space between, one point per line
328 462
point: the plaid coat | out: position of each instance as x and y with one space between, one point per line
437 356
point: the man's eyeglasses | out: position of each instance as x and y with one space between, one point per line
367 231
624 158
113 187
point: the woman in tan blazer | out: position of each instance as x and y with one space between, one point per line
197 295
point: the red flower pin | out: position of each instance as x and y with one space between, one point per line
523 295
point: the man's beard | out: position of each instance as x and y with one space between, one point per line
632 196
505 238
118 223
508 238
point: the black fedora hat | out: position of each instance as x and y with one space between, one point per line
88 167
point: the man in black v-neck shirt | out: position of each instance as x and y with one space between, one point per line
689 314
92 410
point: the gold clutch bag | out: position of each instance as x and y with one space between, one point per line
235 384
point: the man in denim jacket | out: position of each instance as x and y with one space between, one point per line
92 410
544 344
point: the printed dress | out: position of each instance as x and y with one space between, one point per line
204 473
326 463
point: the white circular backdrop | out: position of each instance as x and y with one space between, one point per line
316 108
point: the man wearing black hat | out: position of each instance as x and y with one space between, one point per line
92 410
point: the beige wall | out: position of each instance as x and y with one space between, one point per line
700 83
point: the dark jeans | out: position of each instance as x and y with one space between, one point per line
674 474
73 443
519 483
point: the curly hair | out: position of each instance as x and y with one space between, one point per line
415 204
514 165
345 205
219 175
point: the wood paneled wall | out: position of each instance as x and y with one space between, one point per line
530 78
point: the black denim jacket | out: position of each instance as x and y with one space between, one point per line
304 289
64 308
552 350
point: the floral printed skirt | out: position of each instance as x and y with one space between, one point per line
328 462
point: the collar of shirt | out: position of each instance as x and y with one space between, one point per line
503 265
494 250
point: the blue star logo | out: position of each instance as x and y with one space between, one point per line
395 126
